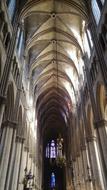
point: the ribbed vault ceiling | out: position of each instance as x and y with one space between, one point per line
54 30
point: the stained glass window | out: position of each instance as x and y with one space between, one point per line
11 8
90 38
52 180
47 151
86 45
102 1
96 11
18 38
52 150
20 44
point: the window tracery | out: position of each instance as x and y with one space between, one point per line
51 150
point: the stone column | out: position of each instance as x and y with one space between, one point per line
101 127
11 162
15 171
96 119
86 154
98 49
84 166
84 160
88 182
2 107
22 168
96 168
80 172
76 175
89 169
6 148
20 164
74 172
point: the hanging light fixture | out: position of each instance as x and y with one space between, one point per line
28 181
60 158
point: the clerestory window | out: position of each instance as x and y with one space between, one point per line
11 8
47 151
102 1
96 11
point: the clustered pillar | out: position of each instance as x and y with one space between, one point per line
15 156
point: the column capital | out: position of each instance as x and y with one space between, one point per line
19 139
100 123
74 159
83 147
9 123
26 148
77 154
31 155
91 138
34 160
